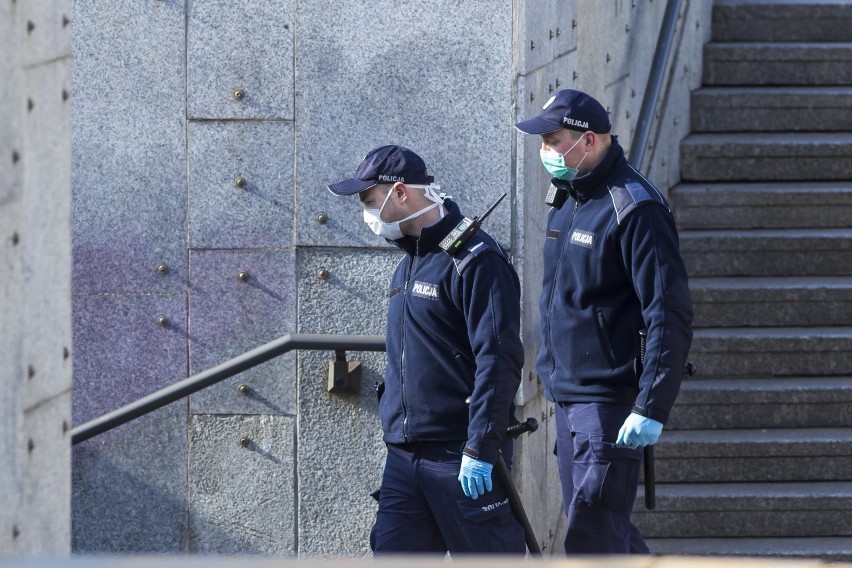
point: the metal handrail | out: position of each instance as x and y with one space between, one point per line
655 83
221 372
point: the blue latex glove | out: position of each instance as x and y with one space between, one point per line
639 431
475 476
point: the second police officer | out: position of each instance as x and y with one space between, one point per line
612 267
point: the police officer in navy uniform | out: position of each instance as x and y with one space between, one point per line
612 267
452 335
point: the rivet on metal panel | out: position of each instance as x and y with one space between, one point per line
243 389
30 372
697 24
30 26
532 45
240 182
64 426
322 218
551 411
15 157
531 376
15 532
551 34
608 58
573 24
558 33
162 321
663 163
64 95
65 21
65 353
532 97
245 441
243 275
627 114
30 104
543 416
558 84
15 239
675 121
575 75
627 29
162 268
239 94
550 87
322 273
30 445
632 93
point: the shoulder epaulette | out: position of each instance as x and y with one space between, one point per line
628 197
473 248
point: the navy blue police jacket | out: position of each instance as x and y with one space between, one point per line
612 266
453 333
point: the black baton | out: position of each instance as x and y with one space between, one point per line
650 488
531 425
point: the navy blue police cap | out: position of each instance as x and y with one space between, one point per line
574 110
388 164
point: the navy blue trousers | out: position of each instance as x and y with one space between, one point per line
422 507
599 480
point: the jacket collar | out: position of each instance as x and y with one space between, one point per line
586 186
432 235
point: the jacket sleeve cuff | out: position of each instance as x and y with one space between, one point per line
484 454
660 416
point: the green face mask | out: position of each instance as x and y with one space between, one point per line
554 162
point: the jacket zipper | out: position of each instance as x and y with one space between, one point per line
402 359
553 291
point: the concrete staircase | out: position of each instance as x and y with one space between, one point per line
757 457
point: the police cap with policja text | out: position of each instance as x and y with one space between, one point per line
388 164
571 109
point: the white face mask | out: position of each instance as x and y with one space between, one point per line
392 230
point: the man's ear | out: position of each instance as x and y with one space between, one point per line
401 190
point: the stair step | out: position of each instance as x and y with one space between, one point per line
747 510
771 109
767 302
767 252
767 156
827 548
794 63
761 205
737 352
754 455
782 20
768 402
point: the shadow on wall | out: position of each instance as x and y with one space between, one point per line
129 488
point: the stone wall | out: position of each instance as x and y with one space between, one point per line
35 286
203 136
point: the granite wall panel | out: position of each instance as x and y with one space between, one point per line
245 46
229 316
547 30
46 496
128 145
11 290
240 184
340 432
243 485
48 32
45 246
130 483
435 77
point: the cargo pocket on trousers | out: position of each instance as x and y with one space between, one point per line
609 479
